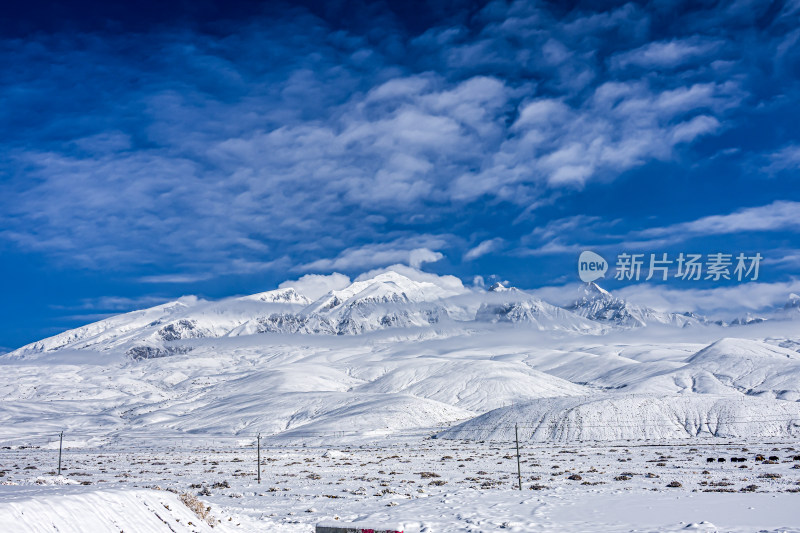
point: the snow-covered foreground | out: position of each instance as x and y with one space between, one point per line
430 485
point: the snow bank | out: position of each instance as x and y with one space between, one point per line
35 509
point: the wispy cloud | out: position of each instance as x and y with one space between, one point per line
114 303
667 54
484 247
779 215
88 318
573 234
174 278
198 155
787 158
719 301
568 226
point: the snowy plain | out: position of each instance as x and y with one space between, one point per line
421 483
395 400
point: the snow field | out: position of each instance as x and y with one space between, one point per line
439 485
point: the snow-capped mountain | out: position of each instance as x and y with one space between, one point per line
747 319
595 303
394 351
732 366
387 300
384 301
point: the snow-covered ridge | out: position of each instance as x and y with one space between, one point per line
288 296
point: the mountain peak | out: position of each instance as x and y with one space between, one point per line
598 304
387 287
498 287
592 290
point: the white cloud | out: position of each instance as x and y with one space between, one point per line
483 248
787 158
413 251
314 286
691 129
561 295
121 303
175 278
720 301
597 234
88 318
622 125
669 54
562 226
779 215
419 256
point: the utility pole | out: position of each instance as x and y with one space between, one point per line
519 470
258 439
60 443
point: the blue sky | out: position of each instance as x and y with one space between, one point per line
150 152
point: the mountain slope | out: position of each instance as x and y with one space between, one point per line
474 385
